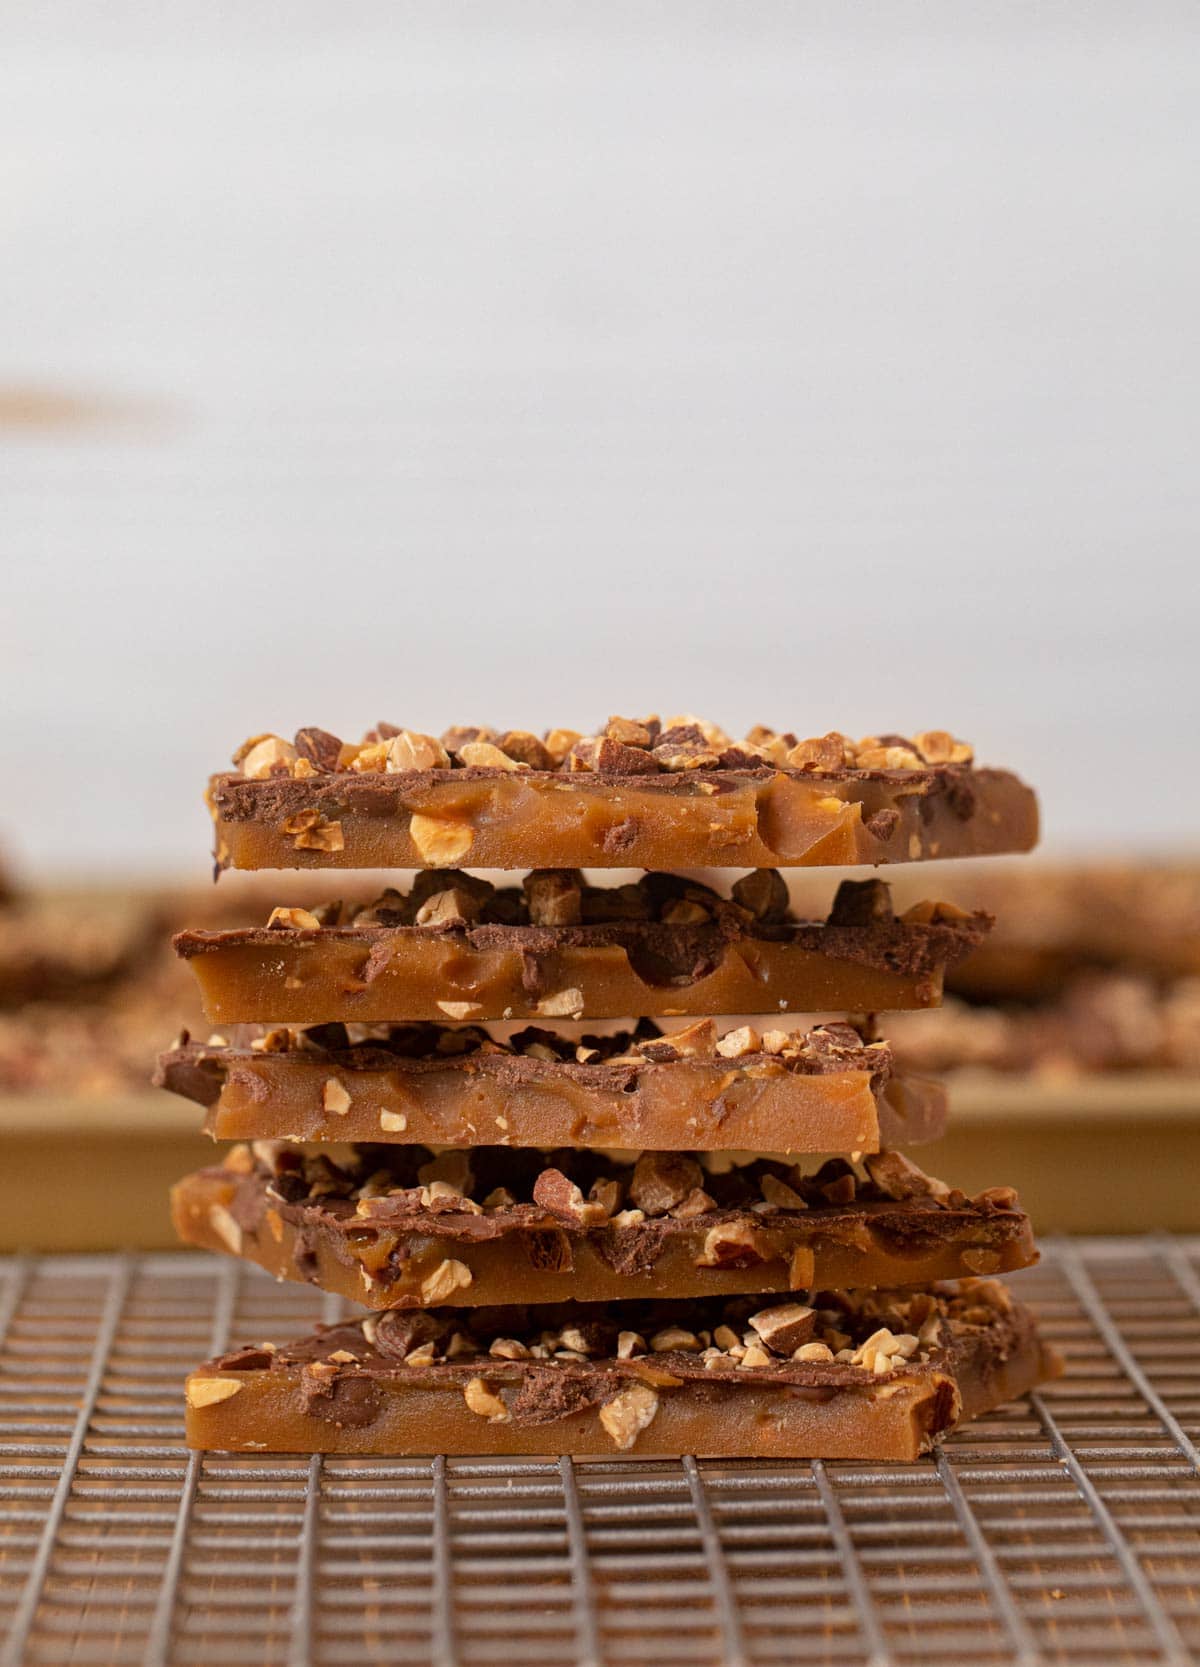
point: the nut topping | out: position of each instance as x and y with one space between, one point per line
998 1198
662 1180
558 744
733 1244
226 1228
628 732
861 903
442 841
452 1166
674 1337
697 1203
509 1348
449 1276
482 1400
319 748
822 754
899 1177
928 913
606 1196
311 832
207 1392
555 1192
785 1328
764 892
698 1041
887 758
628 1413
679 751
779 1195
299 920
563 1004
412 751
554 897
482 755
609 757
937 746
239 1159
461 735
525 748
884 1350
737 1043
269 755
626 746
684 911
452 907
334 1097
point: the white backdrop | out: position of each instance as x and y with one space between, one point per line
829 365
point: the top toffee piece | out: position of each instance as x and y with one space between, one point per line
640 794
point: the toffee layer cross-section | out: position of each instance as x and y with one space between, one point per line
849 1375
823 1090
398 1227
641 794
457 947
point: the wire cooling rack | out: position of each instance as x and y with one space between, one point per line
1064 1529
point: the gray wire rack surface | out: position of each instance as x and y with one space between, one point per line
1063 1529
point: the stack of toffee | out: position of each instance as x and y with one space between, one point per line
583 1216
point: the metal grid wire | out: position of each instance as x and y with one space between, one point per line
1064 1529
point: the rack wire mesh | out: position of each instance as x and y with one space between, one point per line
1063 1529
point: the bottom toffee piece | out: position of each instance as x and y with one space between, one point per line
853 1376
397 1227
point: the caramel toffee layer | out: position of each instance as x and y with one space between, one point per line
849 1375
729 818
823 1090
457 947
397 1227
641 794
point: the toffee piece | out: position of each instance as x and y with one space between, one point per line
641 794
823 1090
456 947
397 1227
845 1375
